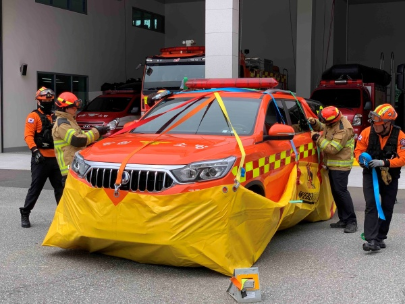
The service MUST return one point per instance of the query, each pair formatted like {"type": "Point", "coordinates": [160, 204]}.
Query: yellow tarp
{"type": "Point", "coordinates": [210, 228]}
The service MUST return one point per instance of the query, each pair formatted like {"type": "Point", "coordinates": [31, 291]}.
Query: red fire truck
{"type": "Point", "coordinates": [354, 89]}
{"type": "Point", "coordinates": [168, 69]}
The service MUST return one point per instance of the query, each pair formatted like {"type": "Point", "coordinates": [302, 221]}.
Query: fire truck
{"type": "Point", "coordinates": [174, 65]}
{"type": "Point", "coordinates": [355, 89]}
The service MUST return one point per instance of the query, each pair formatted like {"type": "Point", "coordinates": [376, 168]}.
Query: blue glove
{"type": "Point", "coordinates": [374, 163]}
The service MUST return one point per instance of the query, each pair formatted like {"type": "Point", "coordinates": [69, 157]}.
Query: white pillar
{"type": "Point", "coordinates": [221, 38]}
{"type": "Point", "coordinates": [304, 47]}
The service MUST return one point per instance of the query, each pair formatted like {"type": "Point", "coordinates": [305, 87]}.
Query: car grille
{"type": "Point", "coordinates": [140, 180]}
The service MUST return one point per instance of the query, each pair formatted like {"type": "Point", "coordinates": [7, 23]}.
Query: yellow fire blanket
{"type": "Point", "coordinates": [217, 229]}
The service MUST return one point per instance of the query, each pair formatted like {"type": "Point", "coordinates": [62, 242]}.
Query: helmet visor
{"type": "Point", "coordinates": [46, 94]}
{"type": "Point", "coordinates": [68, 104]}
{"type": "Point", "coordinates": [375, 118]}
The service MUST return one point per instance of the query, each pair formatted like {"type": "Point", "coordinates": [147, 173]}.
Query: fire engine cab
{"type": "Point", "coordinates": [174, 65]}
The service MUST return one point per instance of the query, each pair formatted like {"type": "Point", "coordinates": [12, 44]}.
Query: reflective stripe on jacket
{"type": "Point", "coordinates": [69, 138]}
{"type": "Point", "coordinates": [337, 144]}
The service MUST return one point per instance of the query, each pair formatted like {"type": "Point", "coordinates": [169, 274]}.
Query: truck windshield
{"type": "Point", "coordinates": [107, 104]}
{"type": "Point", "coordinates": [171, 76]}
{"type": "Point", "coordinates": [208, 121]}
{"type": "Point", "coordinates": [341, 98]}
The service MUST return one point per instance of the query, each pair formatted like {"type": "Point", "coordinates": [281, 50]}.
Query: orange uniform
{"type": "Point", "coordinates": [362, 143]}
{"type": "Point", "coordinates": [33, 125]}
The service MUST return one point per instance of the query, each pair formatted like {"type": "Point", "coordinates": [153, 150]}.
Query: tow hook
{"type": "Point", "coordinates": [116, 189]}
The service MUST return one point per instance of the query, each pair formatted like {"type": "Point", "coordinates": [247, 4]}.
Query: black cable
{"type": "Point", "coordinates": [125, 39]}
{"type": "Point", "coordinates": [292, 38]}
{"type": "Point", "coordinates": [332, 14]}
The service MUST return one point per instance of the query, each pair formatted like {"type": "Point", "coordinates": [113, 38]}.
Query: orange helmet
{"type": "Point", "coordinates": [329, 115]}
{"type": "Point", "coordinates": [68, 100]}
{"type": "Point", "coordinates": [45, 94]}
{"type": "Point", "coordinates": [382, 114]}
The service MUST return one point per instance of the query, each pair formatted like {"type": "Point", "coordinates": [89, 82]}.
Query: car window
{"type": "Point", "coordinates": [210, 120]}
{"type": "Point", "coordinates": [108, 104]}
{"type": "Point", "coordinates": [297, 117]}
{"type": "Point", "coordinates": [315, 105]}
{"type": "Point", "coordinates": [274, 115]}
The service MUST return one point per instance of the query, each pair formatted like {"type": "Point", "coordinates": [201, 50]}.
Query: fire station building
{"type": "Point", "coordinates": [78, 45]}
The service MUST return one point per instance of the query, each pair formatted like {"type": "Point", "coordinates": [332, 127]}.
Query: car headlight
{"type": "Point", "coordinates": [79, 165]}
{"type": "Point", "coordinates": [113, 124]}
{"type": "Point", "coordinates": [357, 120]}
{"type": "Point", "coordinates": [204, 171]}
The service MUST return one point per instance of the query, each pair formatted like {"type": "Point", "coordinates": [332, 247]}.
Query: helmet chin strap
{"type": "Point", "coordinates": [386, 129]}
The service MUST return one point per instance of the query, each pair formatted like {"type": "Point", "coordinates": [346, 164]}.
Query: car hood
{"type": "Point", "coordinates": [166, 150]}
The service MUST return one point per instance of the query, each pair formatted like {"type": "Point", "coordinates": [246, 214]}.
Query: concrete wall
{"type": "Point", "coordinates": [50, 39]}
{"type": "Point", "coordinates": [185, 19]}
{"type": "Point", "coordinates": [376, 28]}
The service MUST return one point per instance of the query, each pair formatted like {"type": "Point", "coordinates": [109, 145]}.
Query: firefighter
{"type": "Point", "coordinates": [67, 135]}
{"type": "Point", "coordinates": [38, 136]}
{"type": "Point", "coordinates": [337, 144]}
{"type": "Point", "coordinates": [385, 143]}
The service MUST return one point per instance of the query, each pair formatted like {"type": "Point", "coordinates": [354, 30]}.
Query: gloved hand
{"type": "Point", "coordinates": [38, 158]}
{"type": "Point", "coordinates": [363, 166]}
{"type": "Point", "coordinates": [312, 120]}
{"type": "Point", "coordinates": [315, 135]}
{"type": "Point", "coordinates": [102, 129]}
{"type": "Point", "coordinates": [374, 163]}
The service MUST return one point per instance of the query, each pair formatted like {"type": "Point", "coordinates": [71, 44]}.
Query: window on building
{"type": "Point", "coordinates": [148, 20]}
{"type": "Point", "coordinates": [76, 84]}
{"type": "Point", "coordinates": [79, 6]}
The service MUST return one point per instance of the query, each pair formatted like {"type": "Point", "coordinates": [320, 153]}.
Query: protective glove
{"type": "Point", "coordinates": [374, 163]}
{"type": "Point", "coordinates": [38, 158]}
{"type": "Point", "coordinates": [312, 120]}
{"type": "Point", "coordinates": [315, 135]}
{"type": "Point", "coordinates": [102, 129]}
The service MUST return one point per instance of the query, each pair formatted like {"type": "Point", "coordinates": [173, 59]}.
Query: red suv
{"type": "Point", "coordinates": [113, 108]}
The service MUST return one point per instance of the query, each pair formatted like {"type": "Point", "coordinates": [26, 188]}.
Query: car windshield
{"type": "Point", "coordinates": [171, 76]}
{"type": "Point", "coordinates": [108, 104]}
{"type": "Point", "coordinates": [210, 120]}
{"type": "Point", "coordinates": [341, 98]}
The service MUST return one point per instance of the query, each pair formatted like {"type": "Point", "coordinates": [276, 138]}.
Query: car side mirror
{"type": "Point", "coordinates": [280, 132]}
{"type": "Point", "coordinates": [367, 105]}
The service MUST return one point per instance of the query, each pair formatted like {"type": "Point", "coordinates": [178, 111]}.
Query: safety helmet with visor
{"type": "Point", "coordinates": [382, 114]}
{"type": "Point", "coordinates": [329, 115]}
{"type": "Point", "coordinates": [45, 94]}
{"type": "Point", "coordinates": [68, 100]}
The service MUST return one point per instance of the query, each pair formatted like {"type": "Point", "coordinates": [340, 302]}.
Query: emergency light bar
{"type": "Point", "coordinates": [252, 83]}
{"type": "Point", "coordinates": [183, 50]}
{"type": "Point", "coordinates": [341, 81]}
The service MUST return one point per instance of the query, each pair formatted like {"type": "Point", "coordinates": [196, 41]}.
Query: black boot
{"type": "Point", "coordinates": [373, 245]}
{"type": "Point", "coordinates": [25, 219]}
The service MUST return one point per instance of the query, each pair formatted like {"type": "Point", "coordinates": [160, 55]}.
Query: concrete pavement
{"type": "Point", "coordinates": [308, 263]}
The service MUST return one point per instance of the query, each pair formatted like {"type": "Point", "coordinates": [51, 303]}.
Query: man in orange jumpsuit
{"type": "Point", "coordinates": [385, 143]}
{"type": "Point", "coordinates": [38, 136]}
